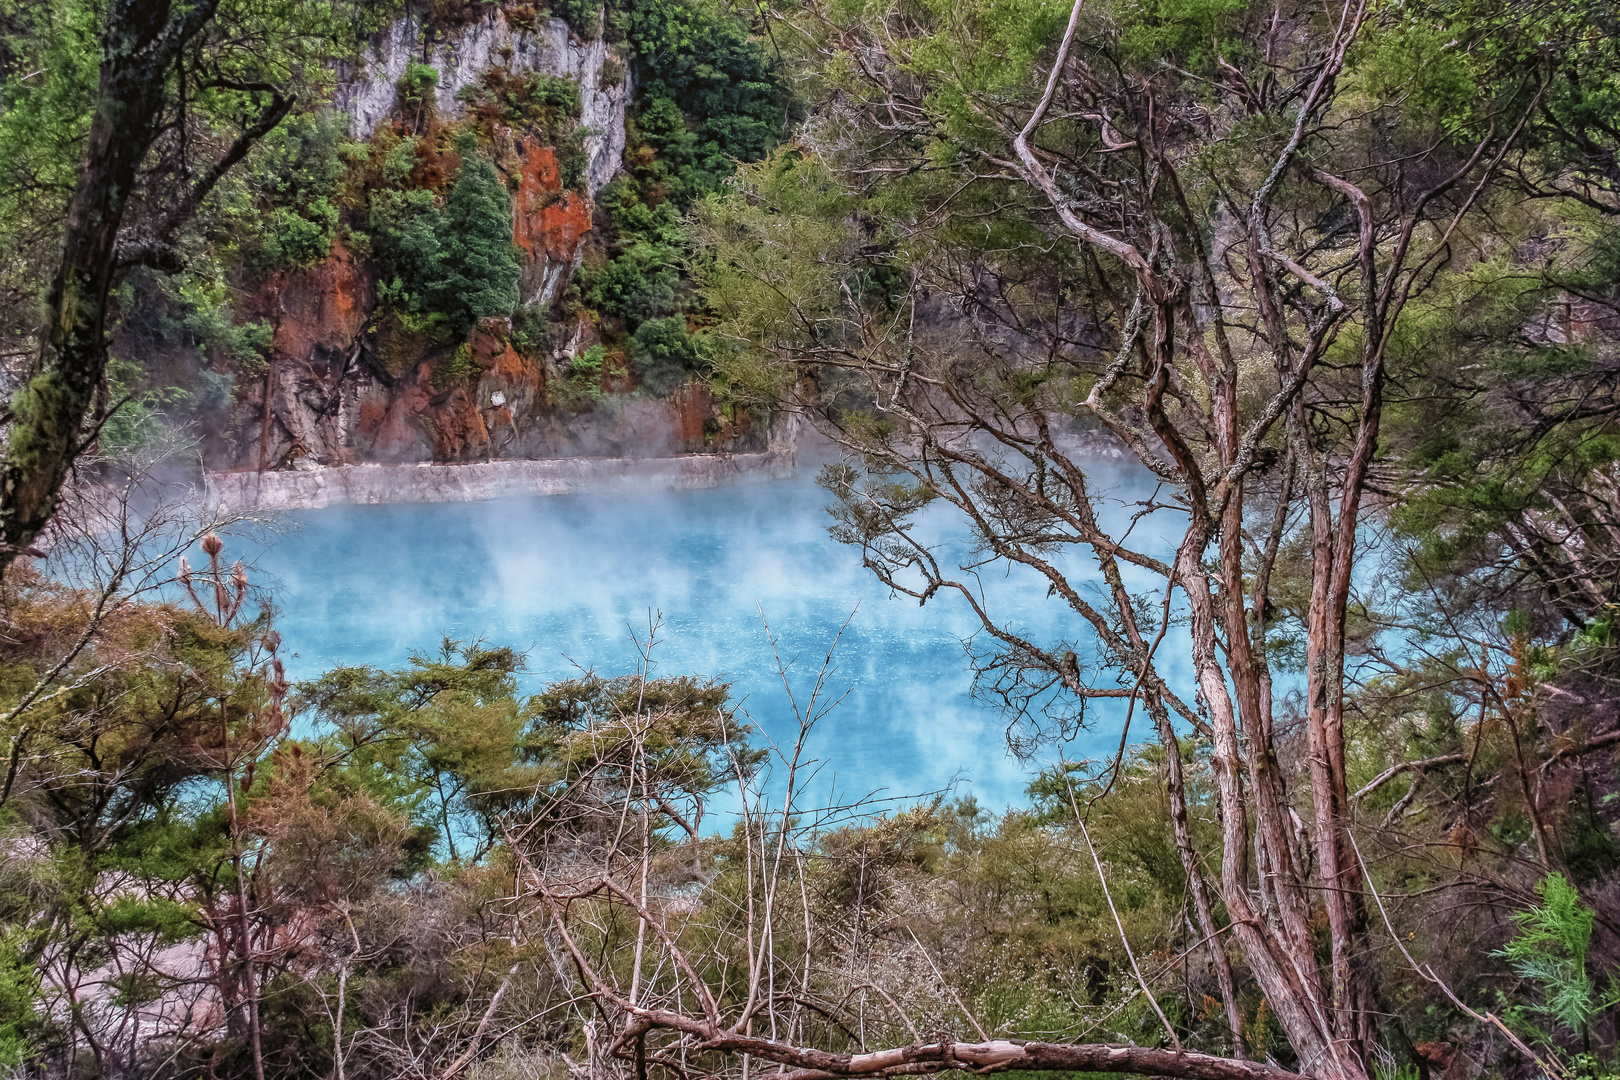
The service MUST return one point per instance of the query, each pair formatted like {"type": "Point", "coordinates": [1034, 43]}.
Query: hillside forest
{"type": "Point", "coordinates": [1340, 279]}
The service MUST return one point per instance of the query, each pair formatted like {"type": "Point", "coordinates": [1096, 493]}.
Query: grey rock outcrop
{"type": "Point", "coordinates": [461, 57]}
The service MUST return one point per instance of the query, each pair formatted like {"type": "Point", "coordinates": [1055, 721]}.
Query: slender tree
{"type": "Point", "coordinates": [1196, 242]}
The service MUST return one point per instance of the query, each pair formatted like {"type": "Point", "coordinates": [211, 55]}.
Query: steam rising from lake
{"type": "Point", "coordinates": [567, 578]}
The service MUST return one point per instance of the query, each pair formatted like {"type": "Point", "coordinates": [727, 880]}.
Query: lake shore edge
{"type": "Point", "coordinates": [476, 481]}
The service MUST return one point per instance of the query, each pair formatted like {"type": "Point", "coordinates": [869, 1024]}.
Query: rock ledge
{"type": "Point", "coordinates": [309, 489]}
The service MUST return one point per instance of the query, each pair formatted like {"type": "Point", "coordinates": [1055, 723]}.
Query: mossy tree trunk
{"type": "Point", "coordinates": [141, 40]}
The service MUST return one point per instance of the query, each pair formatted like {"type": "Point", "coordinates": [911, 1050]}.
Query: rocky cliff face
{"type": "Point", "coordinates": [350, 381]}
{"type": "Point", "coordinates": [462, 55]}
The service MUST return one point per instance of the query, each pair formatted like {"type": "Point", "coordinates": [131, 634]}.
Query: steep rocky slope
{"type": "Point", "coordinates": [353, 376]}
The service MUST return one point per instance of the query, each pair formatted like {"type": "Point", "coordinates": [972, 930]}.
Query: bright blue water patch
{"type": "Point", "coordinates": [569, 578]}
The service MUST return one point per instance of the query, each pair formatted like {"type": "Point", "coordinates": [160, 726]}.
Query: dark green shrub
{"type": "Point", "coordinates": [405, 228]}
{"type": "Point", "coordinates": [588, 364]}
{"type": "Point", "coordinates": [712, 96]}
{"type": "Point", "coordinates": [558, 92]}
{"type": "Point", "coordinates": [636, 221]}
{"type": "Point", "coordinates": [478, 261]}
{"type": "Point", "coordinates": [641, 281]}
{"type": "Point", "coordinates": [400, 162]}
{"type": "Point", "coordinates": [571, 158]}
{"type": "Point", "coordinates": [663, 355]}
{"type": "Point", "coordinates": [638, 284]}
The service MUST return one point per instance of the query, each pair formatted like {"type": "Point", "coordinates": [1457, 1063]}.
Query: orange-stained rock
{"type": "Point", "coordinates": [294, 411]}
{"type": "Point", "coordinates": [323, 307]}
{"type": "Point", "coordinates": [457, 426]}
{"type": "Point", "coordinates": [387, 428]}
{"type": "Point", "coordinates": [548, 223]}
{"type": "Point", "coordinates": [373, 412]}
{"type": "Point", "coordinates": [562, 225]}
{"type": "Point", "coordinates": [506, 372]}
{"type": "Point", "coordinates": [510, 365]}
{"type": "Point", "coordinates": [692, 405]}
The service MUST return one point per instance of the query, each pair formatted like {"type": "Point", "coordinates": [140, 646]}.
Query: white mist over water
{"type": "Point", "coordinates": [568, 578]}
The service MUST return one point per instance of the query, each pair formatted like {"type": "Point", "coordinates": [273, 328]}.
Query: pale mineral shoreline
{"type": "Point", "coordinates": [370, 484]}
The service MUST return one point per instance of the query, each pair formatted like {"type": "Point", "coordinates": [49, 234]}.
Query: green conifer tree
{"type": "Point", "coordinates": [477, 259]}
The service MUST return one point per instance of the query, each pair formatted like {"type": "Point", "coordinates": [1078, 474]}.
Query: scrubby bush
{"type": "Point", "coordinates": [588, 364]}
{"type": "Point", "coordinates": [19, 985]}
{"type": "Point", "coordinates": [529, 99]}
{"type": "Point", "coordinates": [417, 85]}
{"type": "Point", "coordinates": [294, 175]}
{"type": "Point", "coordinates": [582, 16]}
{"type": "Point", "coordinates": [300, 160]}
{"type": "Point", "coordinates": [459, 369]}
{"type": "Point", "coordinates": [572, 159]}
{"type": "Point", "coordinates": [293, 240]}
{"type": "Point", "coordinates": [582, 383]}
{"type": "Point", "coordinates": [400, 161]}
{"type": "Point", "coordinates": [529, 328]}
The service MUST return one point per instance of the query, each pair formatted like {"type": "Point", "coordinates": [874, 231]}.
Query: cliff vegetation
{"type": "Point", "coordinates": [418, 262]}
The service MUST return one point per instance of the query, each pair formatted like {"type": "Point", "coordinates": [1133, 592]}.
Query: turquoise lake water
{"type": "Point", "coordinates": [570, 578]}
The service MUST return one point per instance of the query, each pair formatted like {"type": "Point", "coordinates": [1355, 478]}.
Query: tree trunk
{"type": "Point", "coordinates": [139, 43]}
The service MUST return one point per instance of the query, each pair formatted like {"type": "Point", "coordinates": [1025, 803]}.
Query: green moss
{"type": "Point", "coordinates": [458, 370]}
{"type": "Point", "coordinates": [46, 412]}
{"type": "Point", "coordinates": [402, 338]}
